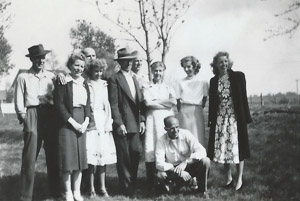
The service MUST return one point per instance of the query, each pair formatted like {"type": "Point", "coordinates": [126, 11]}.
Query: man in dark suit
{"type": "Point", "coordinates": [128, 121]}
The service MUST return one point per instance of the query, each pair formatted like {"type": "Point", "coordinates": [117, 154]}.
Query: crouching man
{"type": "Point", "coordinates": [180, 159]}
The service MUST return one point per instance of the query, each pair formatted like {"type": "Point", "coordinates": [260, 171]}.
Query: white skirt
{"type": "Point", "coordinates": [101, 148]}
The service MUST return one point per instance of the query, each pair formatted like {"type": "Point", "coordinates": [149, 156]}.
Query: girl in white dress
{"type": "Point", "coordinates": [100, 144]}
{"type": "Point", "coordinates": [159, 99]}
{"type": "Point", "coordinates": [191, 99]}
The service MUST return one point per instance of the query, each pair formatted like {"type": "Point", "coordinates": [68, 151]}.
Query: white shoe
{"type": "Point", "coordinates": [69, 196]}
{"type": "Point", "coordinates": [77, 196]}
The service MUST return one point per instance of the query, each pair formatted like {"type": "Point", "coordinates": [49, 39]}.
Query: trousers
{"type": "Point", "coordinates": [39, 127]}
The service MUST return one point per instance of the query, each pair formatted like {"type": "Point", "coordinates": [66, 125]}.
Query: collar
{"type": "Point", "coordinates": [126, 73]}
{"type": "Point", "coordinates": [78, 81]}
{"type": "Point", "coordinates": [40, 74]}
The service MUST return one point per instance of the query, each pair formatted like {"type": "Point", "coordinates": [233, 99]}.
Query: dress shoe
{"type": "Point", "coordinates": [240, 188]}
{"type": "Point", "coordinates": [230, 185]}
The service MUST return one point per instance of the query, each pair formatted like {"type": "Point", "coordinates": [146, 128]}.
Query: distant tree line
{"type": "Point", "coordinates": [289, 98]}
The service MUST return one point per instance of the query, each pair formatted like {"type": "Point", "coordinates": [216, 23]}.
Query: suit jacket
{"type": "Point", "coordinates": [125, 109]}
{"type": "Point", "coordinates": [63, 101]}
{"type": "Point", "coordinates": [241, 109]}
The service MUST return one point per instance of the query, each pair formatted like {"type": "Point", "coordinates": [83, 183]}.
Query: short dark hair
{"type": "Point", "coordinates": [166, 119]}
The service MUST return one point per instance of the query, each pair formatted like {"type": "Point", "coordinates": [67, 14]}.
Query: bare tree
{"type": "Point", "coordinates": [149, 23]}
{"type": "Point", "coordinates": [292, 21]}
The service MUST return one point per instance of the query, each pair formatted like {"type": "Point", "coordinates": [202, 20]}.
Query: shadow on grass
{"type": "Point", "coordinates": [10, 187]}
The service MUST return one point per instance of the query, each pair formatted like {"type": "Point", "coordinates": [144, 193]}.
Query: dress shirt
{"type": "Point", "coordinates": [171, 152]}
{"type": "Point", "coordinates": [33, 89]}
{"type": "Point", "coordinates": [130, 83]}
{"type": "Point", "coordinates": [79, 91]}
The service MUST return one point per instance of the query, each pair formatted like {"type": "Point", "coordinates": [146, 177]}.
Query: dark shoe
{"type": "Point", "coordinates": [230, 185]}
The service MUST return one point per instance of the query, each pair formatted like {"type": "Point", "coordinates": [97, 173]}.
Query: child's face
{"type": "Point", "coordinates": [96, 73]}
{"type": "Point", "coordinates": [188, 68]}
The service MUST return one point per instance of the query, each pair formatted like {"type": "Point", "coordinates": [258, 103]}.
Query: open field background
{"type": "Point", "coordinates": [272, 172]}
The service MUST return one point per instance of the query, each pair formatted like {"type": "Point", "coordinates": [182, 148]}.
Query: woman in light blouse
{"type": "Point", "coordinates": [191, 99]}
{"type": "Point", "coordinates": [73, 108]}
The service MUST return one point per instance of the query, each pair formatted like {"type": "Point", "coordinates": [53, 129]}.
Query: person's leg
{"type": "Point", "coordinates": [135, 149]}
{"type": "Point", "coordinates": [66, 181]}
{"type": "Point", "coordinates": [227, 169]}
{"type": "Point", "coordinates": [123, 163]}
{"type": "Point", "coordinates": [102, 171]}
{"type": "Point", "coordinates": [240, 169]}
{"type": "Point", "coordinates": [47, 126]}
{"type": "Point", "coordinates": [91, 171]}
{"type": "Point", "coordinates": [200, 170]}
{"type": "Point", "coordinates": [29, 154]}
{"type": "Point", "coordinates": [76, 180]}
{"type": "Point", "coordinates": [150, 173]}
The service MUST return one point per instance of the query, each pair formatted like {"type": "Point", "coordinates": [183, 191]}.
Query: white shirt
{"type": "Point", "coordinates": [33, 89]}
{"type": "Point", "coordinates": [192, 90]}
{"type": "Point", "coordinates": [130, 83]}
{"type": "Point", "coordinates": [79, 91]}
{"type": "Point", "coordinates": [171, 152]}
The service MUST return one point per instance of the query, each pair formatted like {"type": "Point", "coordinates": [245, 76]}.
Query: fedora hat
{"type": "Point", "coordinates": [37, 50]}
{"type": "Point", "coordinates": [124, 53]}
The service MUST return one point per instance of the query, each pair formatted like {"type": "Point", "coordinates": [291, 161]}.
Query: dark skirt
{"type": "Point", "coordinates": [72, 145]}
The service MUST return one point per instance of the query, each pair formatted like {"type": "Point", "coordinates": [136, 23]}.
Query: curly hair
{"type": "Point", "coordinates": [96, 63]}
{"type": "Point", "coordinates": [215, 61]}
{"type": "Point", "coordinates": [73, 57]}
{"type": "Point", "coordinates": [195, 63]}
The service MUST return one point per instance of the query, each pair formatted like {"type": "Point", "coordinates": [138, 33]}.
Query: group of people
{"type": "Point", "coordinates": [86, 122]}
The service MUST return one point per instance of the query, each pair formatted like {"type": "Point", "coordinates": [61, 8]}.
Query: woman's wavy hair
{"type": "Point", "coordinates": [215, 61]}
{"type": "Point", "coordinates": [73, 57]}
{"type": "Point", "coordinates": [195, 62]}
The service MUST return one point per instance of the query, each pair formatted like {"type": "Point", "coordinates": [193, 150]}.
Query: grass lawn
{"type": "Point", "coordinates": [272, 172]}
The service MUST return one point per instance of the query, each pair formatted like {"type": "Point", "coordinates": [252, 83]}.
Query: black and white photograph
{"type": "Point", "coordinates": [149, 100]}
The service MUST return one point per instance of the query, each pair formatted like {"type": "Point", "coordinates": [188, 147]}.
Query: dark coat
{"type": "Point", "coordinates": [241, 109]}
{"type": "Point", "coordinates": [72, 145]}
{"type": "Point", "coordinates": [125, 110]}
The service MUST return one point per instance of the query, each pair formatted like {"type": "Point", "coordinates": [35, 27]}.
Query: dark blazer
{"type": "Point", "coordinates": [241, 109]}
{"type": "Point", "coordinates": [125, 110]}
{"type": "Point", "coordinates": [63, 101]}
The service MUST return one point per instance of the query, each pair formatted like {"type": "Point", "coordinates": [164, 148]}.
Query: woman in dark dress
{"type": "Point", "coordinates": [73, 107]}
{"type": "Point", "coordinates": [228, 118]}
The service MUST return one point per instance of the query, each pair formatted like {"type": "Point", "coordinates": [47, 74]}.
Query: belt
{"type": "Point", "coordinates": [42, 106]}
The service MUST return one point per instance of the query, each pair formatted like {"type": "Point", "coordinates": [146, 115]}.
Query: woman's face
{"type": "Point", "coordinates": [77, 68]}
{"type": "Point", "coordinates": [222, 64]}
{"type": "Point", "coordinates": [96, 73]}
{"type": "Point", "coordinates": [188, 68]}
{"type": "Point", "coordinates": [158, 73]}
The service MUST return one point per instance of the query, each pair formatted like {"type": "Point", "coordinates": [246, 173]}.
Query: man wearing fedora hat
{"type": "Point", "coordinates": [34, 108]}
{"type": "Point", "coordinates": [128, 120]}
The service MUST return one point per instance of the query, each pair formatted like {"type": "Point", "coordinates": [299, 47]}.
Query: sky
{"type": "Point", "coordinates": [235, 26]}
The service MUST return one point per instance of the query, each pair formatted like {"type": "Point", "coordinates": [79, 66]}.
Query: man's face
{"type": "Point", "coordinates": [136, 66]}
{"type": "Point", "coordinates": [90, 54]}
{"type": "Point", "coordinates": [172, 128]}
{"type": "Point", "coordinates": [126, 64]}
{"type": "Point", "coordinates": [38, 62]}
